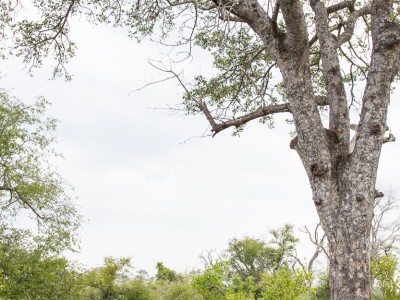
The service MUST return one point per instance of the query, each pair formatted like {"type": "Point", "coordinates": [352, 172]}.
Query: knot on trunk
{"type": "Point", "coordinates": [319, 169]}
{"type": "Point", "coordinates": [332, 138]}
{"type": "Point", "coordinates": [378, 194]}
{"type": "Point", "coordinates": [293, 143]}
{"type": "Point", "coordinates": [318, 201]}
{"type": "Point", "coordinates": [360, 198]}
{"type": "Point", "coordinates": [376, 129]}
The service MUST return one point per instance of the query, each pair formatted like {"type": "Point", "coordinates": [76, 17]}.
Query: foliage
{"type": "Point", "coordinates": [182, 290]}
{"type": "Point", "coordinates": [250, 258]}
{"type": "Point", "coordinates": [286, 284]}
{"type": "Point", "coordinates": [384, 271]}
{"type": "Point", "coordinates": [322, 287]}
{"type": "Point", "coordinates": [135, 289]}
{"type": "Point", "coordinates": [103, 281]}
{"type": "Point", "coordinates": [28, 274]}
{"type": "Point", "coordinates": [211, 284]}
{"type": "Point", "coordinates": [29, 186]}
{"type": "Point", "coordinates": [163, 273]}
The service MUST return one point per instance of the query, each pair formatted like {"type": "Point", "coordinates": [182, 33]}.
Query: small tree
{"type": "Point", "coordinates": [211, 284]}
{"type": "Point", "coordinates": [166, 274]}
{"type": "Point", "coordinates": [384, 271]}
{"type": "Point", "coordinates": [251, 258]}
{"type": "Point", "coordinates": [104, 281]}
{"type": "Point", "coordinates": [287, 284]}
{"type": "Point", "coordinates": [28, 183]}
{"type": "Point", "coordinates": [28, 274]}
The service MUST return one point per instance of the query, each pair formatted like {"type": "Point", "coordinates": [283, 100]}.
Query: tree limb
{"type": "Point", "coordinates": [23, 200]}
{"type": "Point", "coordinates": [339, 119]}
{"type": "Point", "coordinates": [256, 17]}
{"type": "Point", "coordinates": [296, 27]}
{"type": "Point", "coordinates": [318, 242]}
{"type": "Point", "coordinates": [350, 24]}
{"type": "Point", "coordinates": [341, 5]}
{"type": "Point", "coordinates": [260, 112]}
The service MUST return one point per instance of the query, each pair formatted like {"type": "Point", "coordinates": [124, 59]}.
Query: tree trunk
{"type": "Point", "coordinates": [346, 219]}
{"type": "Point", "coordinates": [349, 246]}
{"type": "Point", "coordinates": [349, 266]}
{"type": "Point", "coordinates": [344, 201]}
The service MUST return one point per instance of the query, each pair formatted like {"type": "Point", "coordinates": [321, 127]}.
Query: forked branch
{"type": "Point", "coordinates": [319, 243]}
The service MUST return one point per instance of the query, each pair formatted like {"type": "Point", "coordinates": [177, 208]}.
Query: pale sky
{"type": "Point", "coordinates": [147, 193]}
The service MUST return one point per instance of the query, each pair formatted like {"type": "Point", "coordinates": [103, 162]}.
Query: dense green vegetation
{"type": "Point", "coordinates": [249, 269]}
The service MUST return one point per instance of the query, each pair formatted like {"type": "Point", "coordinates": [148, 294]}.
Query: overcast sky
{"type": "Point", "coordinates": [145, 192]}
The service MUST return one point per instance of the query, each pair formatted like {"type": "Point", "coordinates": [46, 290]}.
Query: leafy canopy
{"type": "Point", "coordinates": [31, 191]}
{"type": "Point", "coordinates": [246, 77]}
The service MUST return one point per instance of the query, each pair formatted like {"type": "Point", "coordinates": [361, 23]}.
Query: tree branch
{"type": "Point", "coordinates": [252, 13]}
{"type": "Point", "coordinates": [59, 27]}
{"type": "Point", "coordinates": [260, 112]}
{"type": "Point", "coordinates": [318, 242]}
{"type": "Point", "coordinates": [350, 24]}
{"type": "Point", "coordinates": [275, 12]}
{"type": "Point", "coordinates": [390, 138]}
{"type": "Point", "coordinates": [339, 120]}
{"type": "Point", "coordinates": [341, 5]}
{"type": "Point", "coordinates": [296, 27]}
{"type": "Point", "coordinates": [22, 199]}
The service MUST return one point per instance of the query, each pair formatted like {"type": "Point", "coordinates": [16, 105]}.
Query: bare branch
{"type": "Point", "coordinates": [203, 107]}
{"type": "Point", "coordinates": [318, 242]}
{"type": "Point", "coordinates": [225, 16]}
{"type": "Point", "coordinates": [385, 231]}
{"type": "Point", "coordinates": [257, 18]}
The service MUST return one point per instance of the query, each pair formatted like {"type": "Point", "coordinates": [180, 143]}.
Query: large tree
{"type": "Point", "coordinates": [322, 50]}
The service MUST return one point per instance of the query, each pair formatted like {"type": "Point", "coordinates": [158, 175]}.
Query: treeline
{"type": "Point", "coordinates": [249, 269]}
